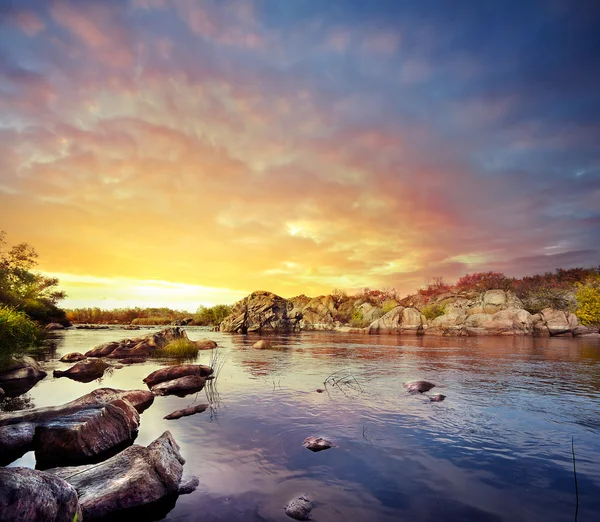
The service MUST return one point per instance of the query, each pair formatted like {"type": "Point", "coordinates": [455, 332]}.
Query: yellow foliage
{"type": "Point", "coordinates": [588, 302]}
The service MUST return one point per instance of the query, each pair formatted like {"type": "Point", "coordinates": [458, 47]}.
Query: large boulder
{"type": "Point", "coordinates": [388, 323]}
{"type": "Point", "coordinates": [555, 322]}
{"type": "Point", "coordinates": [15, 441]}
{"type": "Point", "coordinates": [259, 312]}
{"type": "Point", "coordinates": [511, 321]}
{"type": "Point", "coordinates": [27, 494]}
{"type": "Point", "coordinates": [20, 375]}
{"type": "Point", "coordinates": [84, 371]}
{"type": "Point", "coordinates": [175, 372]}
{"type": "Point", "coordinates": [136, 477]}
{"type": "Point", "coordinates": [412, 320]}
{"type": "Point", "coordinates": [86, 435]}
{"type": "Point", "coordinates": [139, 347]}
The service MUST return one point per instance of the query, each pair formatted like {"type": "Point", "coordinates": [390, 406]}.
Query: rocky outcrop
{"type": "Point", "coordinates": [136, 477]}
{"type": "Point", "coordinates": [175, 372]}
{"type": "Point", "coordinates": [27, 494]}
{"type": "Point", "coordinates": [20, 375]}
{"type": "Point", "coordinates": [260, 312]}
{"type": "Point", "coordinates": [84, 371]}
{"type": "Point", "coordinates": [138, 347]}
{"type": "Point", "coordinates": [18, 429]}
{"type": "Point", "coordinates": [86, 435]}
{"type": "Point", "coordinates": [555, 322]}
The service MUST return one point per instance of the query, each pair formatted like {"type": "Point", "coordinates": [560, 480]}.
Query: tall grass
{"type": "Point", "coordinates": [17, 333]}
{"type": "Point", "coordinates": [179, 349]}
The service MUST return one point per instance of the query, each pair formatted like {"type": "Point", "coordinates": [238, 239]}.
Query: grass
{"type": "Point", "coordinates": [17, 333]}
{"type": "Point", "coordinates": [179, 349]}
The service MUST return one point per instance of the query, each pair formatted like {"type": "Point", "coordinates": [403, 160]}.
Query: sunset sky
{"type": "Point", "coordinates": [179, 152]}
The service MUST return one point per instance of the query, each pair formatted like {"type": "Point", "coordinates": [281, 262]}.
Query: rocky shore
{"type": "Point", "coordinates": [494, 312]}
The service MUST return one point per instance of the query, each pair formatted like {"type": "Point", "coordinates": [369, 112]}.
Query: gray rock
{"type": "Point", "coordinates": [27, 494]}
{"type": "Point", "coordinates": [136, 477]}
{"type": "Point", "coordinates": [188, 484]}
{"type": "Point", "coordinates": [299, 508]}
{"type": "Point", "coordinates": [180, 387]}
{"type": "Point", "coordinates": [419, 386]}
{"type": "Point", "coordinates": [317, 443]}
{"type": "Point", "coordinates": [87, 434]}
{"type": "Point", "coordinates": [175, 372]}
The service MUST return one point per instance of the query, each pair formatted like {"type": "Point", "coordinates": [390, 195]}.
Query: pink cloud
{"type": "Point", "coordinates": [30, 23]}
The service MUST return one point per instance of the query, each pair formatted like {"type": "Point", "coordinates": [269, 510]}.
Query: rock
{"type": "Point", "coordinates": [259, 312]}
{"type": "Point", "coordinates": [451, 322]}
{"type": "Point", "coordinates": [1, 394]}
{"type": "Point", "coordinates": [72, 357]}
{"type": "Point", "coordinates": [136, 477]}
{"type": "Point", "coordinates": [86, 435]}
{"type": "Point", "coordinates": [54, 326]}
{"type": "Point", "coordinates": [262, 344]}
{"type": "Point", "coordinates": [437, 398]}
{"type": "Point", "coordinates": [15, 441]}
{"type": "Point", "coordinates": [299, 508]}
{"type": "Point", "coordinates": [388, 323]}
{"type": "Point", "coordinates": [85, 371]}
{"type": "Point", "coordinates": [140, 347]}
{"type": "Point", "coordinates": [206, 344]}
{"type": "Point", "coordinates": [27, 494]}
{"type": "Point", "coordinates": [320, 390]}
{"type": "Point", "coordinates": [185, 412]}
{"type": "Point", "coordinates": [174, 372]}
{"type": "Point", "coordinates": [188, 484]}
{"type": "Point", "coordinates": [180, 387]}
{"type": "Point", "coordinates": [317, 443]}
{"type": "Point", "coordinates": [494, 301]}
{"type": "Point", "coordinates": [557, 322]}
{"type": "Point", "coordinates": [412, 320]}
{"type": "Point", "coordinates": [419, 386]}
{"type": "Point", "coordinates": [140, 400]}
{"type": "Point", "coordinates": [20, 375]}
{"type": "Point", "coordinates": [510, 321]}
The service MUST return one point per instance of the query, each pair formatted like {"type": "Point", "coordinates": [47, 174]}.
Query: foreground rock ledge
{"type": "Point", "coordinates": [27, 494]}
{"type": "Point", "coordinates": [136, 477]}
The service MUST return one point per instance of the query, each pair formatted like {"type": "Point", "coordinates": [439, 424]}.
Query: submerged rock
{"type": "Point", "coordinates": [20, 375]}
{"type": "Point", "coordinates": [27, 494]}
{"type": "Point", "coordinates": [180, 387]}
{"type": "Point", "coordinates": [185, 412]}
{"type": "Point", "coordinates": [299, 508]}
{"type": "Point", "coordinates": [85, 371]}
{"type": "Point", "coordinates": [136, 477]}
{"type": "Point", "coordinates": [419, 386]}
{"type": "Point", "coordinates": [317, 443]}
{"type": "Point", "coordinates": [174, 372]}
{"type": "Point", "coordinates": [437, 398]}
{"type": "Point", "coordinates": [188, 484]}
{"type": "Point", "coordinates": [72, 357]}
{"type": "Point", "coordinates": [86, 434]}
{"type": "Point", "coordinates": [262, 344]}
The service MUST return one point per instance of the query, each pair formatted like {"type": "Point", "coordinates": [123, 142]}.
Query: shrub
{"type": "Point", "coordinates": [17, 333]}
{"type": "Point", "coordinates": [434, 288]}
{"type": "Point", "coordinates": [483, 281]}
{"type": "Point", "coordinates": [149, 321]}
{"type": "Point", "coordinates": [179, 349]}
{"type": "Point", "coordinates": [588, 302]}
{"type": "Point", "coordinates": [388, 305]}
{"type": "Point", "coordinates": [431, 311]}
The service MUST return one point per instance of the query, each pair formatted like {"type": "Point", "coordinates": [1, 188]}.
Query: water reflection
{"type": "Point", "coordinates": [498, 448]}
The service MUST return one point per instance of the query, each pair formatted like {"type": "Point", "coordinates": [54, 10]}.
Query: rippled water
{"type": "Point", "coordinates": [498, 448]}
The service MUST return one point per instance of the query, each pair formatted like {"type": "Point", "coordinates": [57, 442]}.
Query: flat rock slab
{"type": "Point", "coordinates": [186, 412]}
{"type": "Point", "coordinates": [27, 494]}
{"type": "Point", "coordinates": [180, 387]}
{"type": "Point", "coordinates": [317, 443]}
{"type": "Point", "coordinates": [299, 508]}
{"type": "Point", "coordinates": [136, 477]}
{"type": "Point", "coordinates": [175, 372]}
{"type": "Point", "coordinates": [72, 357]}
{"type": "Point", "coordinates": [84, 371]}
{"type": "Point", "coordinates": [419, 386]}
{"type": "Point", "coordinates": [86, 435]}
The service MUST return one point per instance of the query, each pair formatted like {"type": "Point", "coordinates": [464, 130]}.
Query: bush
{"type": "Point", "coordinates": [432, 311]}
{"type": "Point", "coordinates": [211, 316]}
{"type": "Point", "coordinates": [434, 288]}
{"type": "Point", "coordinates": [179, 349]}
{"type": "Point", "coordinates": [588, 302]}
{"type": "Point", "coordinates": [357, 320]}
{"type": "Point", "coordinates": [17, 333]}
{"type": "Point", "coordinates": [150, 321]}
{"type": "Point", "coordinates": [484, 281]}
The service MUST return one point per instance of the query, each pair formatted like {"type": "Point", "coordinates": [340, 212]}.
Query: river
{"type": "Point", "coordinates": [498, 448]}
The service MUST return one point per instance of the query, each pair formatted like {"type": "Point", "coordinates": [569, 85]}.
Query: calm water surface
{"type": "Point", "coordinates": [498, 448]}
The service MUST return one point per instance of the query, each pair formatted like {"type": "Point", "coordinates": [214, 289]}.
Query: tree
{"type": "Point", "coordinates": [24, 289]}
{"type": "Point", "coordinates": [588, 301]}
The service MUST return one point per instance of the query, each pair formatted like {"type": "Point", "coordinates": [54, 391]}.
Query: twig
{"type": "Point", "coordinates": [575, 475]}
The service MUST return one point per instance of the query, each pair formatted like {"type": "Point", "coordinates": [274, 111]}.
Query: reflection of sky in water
{"type": "Point", "coordinates": [498, 448]}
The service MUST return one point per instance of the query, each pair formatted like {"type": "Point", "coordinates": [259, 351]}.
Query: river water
{"type": "Point", "coordinates": [498, 448]}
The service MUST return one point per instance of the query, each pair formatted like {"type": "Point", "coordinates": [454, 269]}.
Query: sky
{"type": "Point", "coordinates": [179, 152]}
